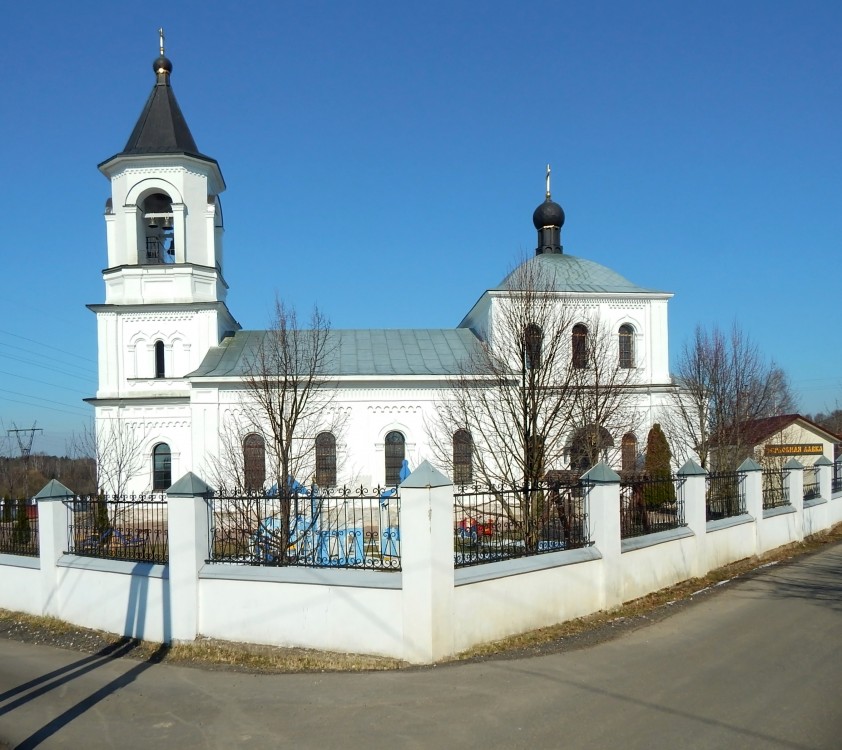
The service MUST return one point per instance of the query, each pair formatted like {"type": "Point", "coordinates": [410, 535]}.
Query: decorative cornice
{"type": "Point", "coordinates": [158, 316]}
{"type": "Point", "coordinates": [395, 409]}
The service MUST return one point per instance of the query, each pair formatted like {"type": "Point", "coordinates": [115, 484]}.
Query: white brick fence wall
{"type": "Point", "coordinates": [426, 611]}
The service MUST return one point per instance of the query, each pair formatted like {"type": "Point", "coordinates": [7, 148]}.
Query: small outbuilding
{"type": "Point", "coordinates": [789, 436]}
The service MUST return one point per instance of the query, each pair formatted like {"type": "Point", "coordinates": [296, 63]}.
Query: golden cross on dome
{"type": "Point", "coordinates": [161, 38]}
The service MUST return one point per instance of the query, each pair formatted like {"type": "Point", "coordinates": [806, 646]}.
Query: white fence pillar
{"type": "Point", "coordinates": [834, 510]}
{"type": "Point", "coordinates": [824, 467]}
{"type": "Point", "coordinates": [53, 521]}
{"type": "Point", "coordinates": [427, 565]}
{"type": "Point", "coordinates": [188, 529]}
{"type": "Point", "coordinates": [604, 513]}
{"type": "Point", "coordinates": [751, 485]}
{"type": "Point", "coordinates": [794, 482]}
{"type": "Point", "coordinates": [692, 489]}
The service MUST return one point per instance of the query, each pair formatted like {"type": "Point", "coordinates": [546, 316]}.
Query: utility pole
{"type": "Point", "coordinates": [25, 445]}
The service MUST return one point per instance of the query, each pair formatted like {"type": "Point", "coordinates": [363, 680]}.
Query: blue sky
{"type": "Point", "coordinates": [383, 160]}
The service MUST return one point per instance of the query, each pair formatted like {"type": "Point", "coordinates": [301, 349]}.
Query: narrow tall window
{"type": "Point", "coordinates": [325, 459]}
{"type": "Point", "coordinates": [161, 467]}
{"type": "Point", "coordinates": [254, 462]}
{"type": "Point", "coordinates": [532, 339]}
{"type": "Point", "coordinates": [463, 446]}
{"type": "Point", "coordinates": [629, 452]}
{"type": "Point", "coordinates": [395, 454]}
{"type": "Point", "coordinates": [159, 359]}
{"type": "Point", "coordinates": [626, 345]}
{"type": "Point", "coordinates": [580, 346]}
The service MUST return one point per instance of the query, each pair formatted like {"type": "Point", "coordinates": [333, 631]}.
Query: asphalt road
{"type": "Point", "coordinates": [757, 665]}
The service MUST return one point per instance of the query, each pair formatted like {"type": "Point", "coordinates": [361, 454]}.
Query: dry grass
{"type": "Point", "coordinates": [270, 659]}
{"type": "Point", "coordinates": [213, 654]}
{"type": "Point", "coordinates": [205, 652]}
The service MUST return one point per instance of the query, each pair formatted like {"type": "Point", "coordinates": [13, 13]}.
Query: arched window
{"type": "Point", "coordinates": [626, 345]}
{"type": "Point", "coordinates": [159, 359]}
{"type": "Point", "coordinates": [532, 339]}
{"type": "Point", "coordinates": [463, 448]}
{"type": "Point", "coordinates": [254, 462]}
{"type": "Point", "coordinates": [158, 218]}
{"type": "Point", "coordinates": [325, 459]}
{"type": "Point", "coordinates": [590, 444]}
{"type": "Point", "coordinates": [629, 452]}
{"type": "Point", "coordinates": [161, 467]}
{"type": "Point", "coordinates": [580, 346]}
{"type": "Point", "coordinates": [395, 454]}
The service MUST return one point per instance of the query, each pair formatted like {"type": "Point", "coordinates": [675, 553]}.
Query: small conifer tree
{"type": "Point", "coordinates": [23, 530]}
{"type": "Point", "coordinates": [102, 523]}
{"type": "Point", "coordinates": [658, 465]}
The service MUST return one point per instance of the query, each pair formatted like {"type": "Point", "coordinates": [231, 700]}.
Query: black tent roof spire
{"type": "Point", "coordinates": [161, 127]}
{"type": "Point", "coordinates": [548, 220]}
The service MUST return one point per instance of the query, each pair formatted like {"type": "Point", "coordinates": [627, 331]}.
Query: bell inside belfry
{"type": "Point", "coordinates": [160, 239]}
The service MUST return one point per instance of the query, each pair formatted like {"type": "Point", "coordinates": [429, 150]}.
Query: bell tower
{"type": "Point", "coordinates": [164, 285]}
{"type": "Point", "coordinates": [163, 219]}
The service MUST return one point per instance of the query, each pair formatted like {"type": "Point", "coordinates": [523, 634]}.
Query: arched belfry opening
{"type": "Point", "coordinates": [158, 229]}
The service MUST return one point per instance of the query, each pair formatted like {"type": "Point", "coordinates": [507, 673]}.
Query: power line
{"type": "Point", "coordinates": [39, 399]}
{"type": "Point", "coordinates": [42, 406]}
{"type": "Point", "coordinates": [53, 368]}
{"type": "Point", "coordinates": [42, 343]}
{"type": "Point", "coordinates": [43, 382]}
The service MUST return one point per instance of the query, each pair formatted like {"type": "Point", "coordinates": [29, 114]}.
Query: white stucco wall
{"type": "Point", "coordinates": [816, 517]}
{"type": "Point", "coordinates": [731, 540]}
{"type": "Point", "coordinates": [657, 566]}
{"type": "Point", "coordinates": [20, 584]}
{"type": "Point", "coordinates": [309, 615]}
{"type": "Point", "coordinates": [504, 603]}
{"type": "Point", "coordinates": [131, 599]}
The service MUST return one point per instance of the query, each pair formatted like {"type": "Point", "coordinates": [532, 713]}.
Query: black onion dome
{"type": "Point", "coordinates": [548, 214]}
{"type": "Point", "coordinates": [162, 64]}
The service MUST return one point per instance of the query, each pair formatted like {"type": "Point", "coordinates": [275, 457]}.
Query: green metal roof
{"type": "Point", "coordinates": [382, 351]}
{"type": "Point", "coordinates": [567, 273]}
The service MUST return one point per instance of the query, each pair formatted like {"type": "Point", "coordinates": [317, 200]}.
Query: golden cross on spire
{"type": "Point", "coordinates": [548, 180]}
{"type": "Point", "coordinates": [161, 38]}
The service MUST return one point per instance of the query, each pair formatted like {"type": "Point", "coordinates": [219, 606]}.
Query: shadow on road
{"type": "Point", "coordinates": [819, 583]}
{"type": "Point", "coordinates": [45, 683]}
{"type": "Point", "coordinates": [659, 708]}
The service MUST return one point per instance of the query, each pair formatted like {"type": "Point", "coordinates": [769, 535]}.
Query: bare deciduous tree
{"type": "Point", "coordinates": [524, 392]}
{"type": "Point", "coordinates": [513, 393]}
{"type": "Point", "coordinates": [226, 469]}
{"type": "Point", "coordinates": [288, 399]}
{"type": "Point", "coordinates": [724, 382]}
{"type": "Point", "coordinates": [604, 404]}
{"type": "Point", "coordinates": [116, 447]}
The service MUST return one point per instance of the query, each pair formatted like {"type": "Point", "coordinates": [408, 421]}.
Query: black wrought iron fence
{"type": "Point", "coordinates": [492, 524]}
{"type": "Point", "coordinates": [775, 489]}
{"type": "Point", "coordinates": [18, 528]}
{"type": "Point", "coordinates": [811, 483]}
{"type": "Point", "coordinates": [836, 480]}
{"type": "Point", "coordinates": [346, 528]}
{"type": "Point", "coordinates": [649, 505]}
{"type": "Point", "coordinates": [725, 495]}
{"type": "Point", "coordinates": [132, 528]}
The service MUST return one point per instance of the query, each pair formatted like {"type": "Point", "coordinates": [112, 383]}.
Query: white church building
{"type": "Point", "coordinates": [172, 358]}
